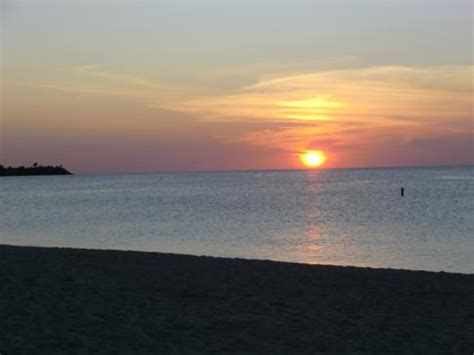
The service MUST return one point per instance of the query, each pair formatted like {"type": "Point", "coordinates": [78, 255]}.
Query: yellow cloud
{"type": "Point", "coordinates": [295, 109]}
{"type": "Point", "coordinates": [352, 94]}
{"type": "Point", "coordinates": [338, 110]}
{"type": "Point", "coordinates": [352, 106]}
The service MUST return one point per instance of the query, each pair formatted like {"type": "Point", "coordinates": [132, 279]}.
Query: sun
{"type": "Point", "coordinates": [313, 158]}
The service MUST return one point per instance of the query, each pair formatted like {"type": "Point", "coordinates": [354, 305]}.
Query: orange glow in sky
{"type": "Point", "coordinates": [109, 102]}
{"type": "Point", "coordinates": [313, 158]}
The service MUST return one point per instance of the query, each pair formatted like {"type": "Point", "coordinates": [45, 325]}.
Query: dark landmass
{"type": "Point", "coordinates": [33, 170]}
{"type": "Point", "coordinates": [81, 301]}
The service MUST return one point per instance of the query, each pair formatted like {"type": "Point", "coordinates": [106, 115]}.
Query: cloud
{"type": "Point", "coordinates": [345, 109]}
{"type": "Point", "coordinates": [96, 72]}
{"type": "Point", "coordinates": [347, 112]}
{"type": "Point", "coordinates": [346, 94]}
{"type": "Point", "coordinates": [94, 80]}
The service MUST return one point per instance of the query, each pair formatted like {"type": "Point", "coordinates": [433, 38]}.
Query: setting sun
{"type": "Point", "coordinates": [313, 158]}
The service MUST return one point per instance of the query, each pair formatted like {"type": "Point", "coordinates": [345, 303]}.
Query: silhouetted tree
{"type": "Point", "coordinates": [36, 169]}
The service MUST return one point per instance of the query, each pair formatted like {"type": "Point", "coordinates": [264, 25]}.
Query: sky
{"type": "Point", "coordinates": [146, 86]}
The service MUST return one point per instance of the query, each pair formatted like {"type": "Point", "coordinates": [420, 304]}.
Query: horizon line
{"type": "Point", "coordinates": [273, 170]}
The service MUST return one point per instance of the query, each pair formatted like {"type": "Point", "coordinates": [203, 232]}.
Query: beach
{"type": "Point", "coordinates": [77, 300]}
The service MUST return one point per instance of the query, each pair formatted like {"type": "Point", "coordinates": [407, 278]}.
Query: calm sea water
{"type": "Point", "coordinates": [343, 217]}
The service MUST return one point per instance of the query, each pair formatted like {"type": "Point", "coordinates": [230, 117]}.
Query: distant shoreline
{"type": "Point", "coordinates": [33, 170]}
{"type": "Point", "coordinates": [77, 300]}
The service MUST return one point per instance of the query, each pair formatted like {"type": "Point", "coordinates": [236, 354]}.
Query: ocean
{"type": "Point", "coordinates": [343, 217]}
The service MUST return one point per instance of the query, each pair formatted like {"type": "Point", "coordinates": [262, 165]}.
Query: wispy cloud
{"type": "Point", "coordinates": [95, 80]}
{"type": "Point", "coordinates": [95, 71]}
{"type": "Point", "coordinates": [346, 107]}
{"type": "Point", "coordinates": [338, 110]}
{"type": "Point", "coordinates": [346, 94]}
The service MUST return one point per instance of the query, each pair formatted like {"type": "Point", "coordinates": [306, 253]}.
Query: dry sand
{"type": "Point", "coordinates": [76, 301]}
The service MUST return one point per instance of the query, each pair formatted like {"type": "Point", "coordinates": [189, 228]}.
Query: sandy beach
{"type": "Point", "coordinates": [68, 300]}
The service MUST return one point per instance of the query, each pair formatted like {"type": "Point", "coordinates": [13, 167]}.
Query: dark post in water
{"type": "Point", "coordinates": [402, 191]}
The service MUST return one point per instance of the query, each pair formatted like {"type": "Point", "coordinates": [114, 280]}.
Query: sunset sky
{"type": "Point", "coordinates": [143, 86]}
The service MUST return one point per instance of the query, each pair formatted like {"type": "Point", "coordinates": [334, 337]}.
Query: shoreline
{"type": "Point", "coordinates": [236, 258]}
{"type": "Point", "coordinates": [84, 300]}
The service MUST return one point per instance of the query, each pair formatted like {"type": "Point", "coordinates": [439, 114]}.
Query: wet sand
{"type": "Point", "coordinates": [69, 300]}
